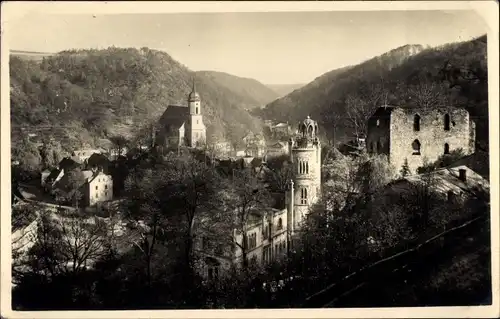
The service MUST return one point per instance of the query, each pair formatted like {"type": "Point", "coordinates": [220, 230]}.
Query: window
{"type": "Point", "coordinates": [197, 122]}
{"type": "Point", "coordinates": [378, 123]}
{"type": "Point", "coordinates": [196, 110]}
{"type": "Point", "coordinates": [379, 147]}
{"type": "Point", "coordinates": [303, 196]}
{"type": "Point", "coordinates": [447, 148]}
{"type": "Point", "coordinates": [96, 187]}
{"type": "Point", "coordinates": [416, 123]}
{"type": "Point", "coordinates": [416, 147]}
{"type": "Point", "coordinates": [280, 223]}
{"type": "Point", "coordinates": [106, 193]}
{"type": "Point", "coordinates": [96, 195]}
{"type": "Point", "coordinates": [105, 186]}
{"type": "Point", "coordinates": [446, 122]}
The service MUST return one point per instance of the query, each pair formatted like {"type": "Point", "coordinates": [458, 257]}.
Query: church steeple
{"type": "Point", "coordinates": [193, 96]}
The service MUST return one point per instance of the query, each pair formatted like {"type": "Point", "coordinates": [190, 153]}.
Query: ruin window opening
{"type": "Point", "coordinates": [447, 148]}
{"type": "Point", "coordinates": [447, 122]}
{"type": "Point", "coordinates": [416, 123]}
{"type": "Point", "coordinates": [416, 147]}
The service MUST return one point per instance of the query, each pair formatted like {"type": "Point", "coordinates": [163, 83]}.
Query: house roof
{"type": "Point", "coordinates": [87, 174]}
{"type": "Point", "coordinates": [174, 116]}
{"type": "Point", "coordinates": [85, 152]}
{"type": "Point", "coordinates": [69, 163]}
{"type": "Point", "coordinates": [53, 174]}
{"type": "Point", "coordinates": [278, 145]}
{"type": "Point", "coordinates": [281, 125]}
{"type": "Point", "coordinates": [447, 179]}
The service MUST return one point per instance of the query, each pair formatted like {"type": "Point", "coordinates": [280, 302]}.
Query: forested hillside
{"type": "Point", "coordinates": [284, 89]}
{"type": "Point", "coordinates": [86, 95]}
{"type": "Point", "coordinates": [453, 74]}
{"type": "Point", "coordinates": [251, 92]}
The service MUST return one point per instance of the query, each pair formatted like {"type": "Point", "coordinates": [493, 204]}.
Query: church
{"type": "Point", "coordinates": [182, 125]}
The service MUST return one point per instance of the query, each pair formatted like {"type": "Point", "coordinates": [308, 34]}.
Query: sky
{"type": "Point", "coordinates": [271, 47]}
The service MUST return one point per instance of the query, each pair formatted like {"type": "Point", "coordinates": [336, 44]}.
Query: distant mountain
{"type": "Point", "coordinates": [284, 89]}
{"type": "Point", "coordinates": [30, 55]}
{"type": "Point", "coordinates": [251, 92]}
{"type": "Point", "coordinates": [409, 75]}
{"type": "Point", "coordinates": [84, 96]}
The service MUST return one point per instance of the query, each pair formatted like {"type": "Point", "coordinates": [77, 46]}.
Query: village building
{"type": "Point", "coordinates": [98, 188]}
{"type": "Point", "coordinates": [419, 136]}
{"type": "Point", "coordinates": [183, 125]}
{"type": "Point", "coordinates": [281, 130]}
{"type": "Point", "coordinates": [269, 233]}
{"type": "Point", "coordinates": [277, 149]}
{"type": "Point", "coordinates": [82, 155]}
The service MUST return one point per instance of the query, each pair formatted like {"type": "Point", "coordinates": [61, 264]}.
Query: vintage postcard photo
{"type": "Point", "coordinates": [205, 159]}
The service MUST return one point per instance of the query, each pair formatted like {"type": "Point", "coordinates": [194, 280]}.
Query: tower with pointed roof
{"type": "Point", "coordinates": [196, 132]}
{"type": "Point", "coordinates": [305, 190]}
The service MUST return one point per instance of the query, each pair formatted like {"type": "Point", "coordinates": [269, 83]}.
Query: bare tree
{"type": "Point", "coordinates": [428, 94]}
{"type": "Point", "coordinates": [119, 143]}
{"type": "Point", "coordinates": [248, 197]}
{"type": "Point", "coordinates": [83, 241]}
{"type": "Point", "coordinates": [279, 172]}
{"type": "Point", "coordinates": [190, 190]}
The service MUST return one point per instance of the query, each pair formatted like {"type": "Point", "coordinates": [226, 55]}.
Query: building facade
{"type": "Point", "coordinates": [305, 156]}
{"type": "Point", "coordinates": [98, 188]}
{"type": "Point", "coordinates": [419, 136]}
{"type": "Point", "coordinates": [183, 125]}
{"type": "Point", "coordinates": [269, 233]}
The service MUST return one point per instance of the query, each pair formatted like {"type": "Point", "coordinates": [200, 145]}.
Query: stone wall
{"type": "Point", "coordinates": [378, 137]}
{"type": "Point", "coordinates": [432, 135]}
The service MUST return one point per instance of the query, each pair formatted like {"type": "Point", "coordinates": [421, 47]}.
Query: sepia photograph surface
{"type": "Point", "coordinates": [206, 159]}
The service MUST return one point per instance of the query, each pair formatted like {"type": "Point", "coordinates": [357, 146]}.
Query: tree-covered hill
{"type": "Point", "coordinates": [453, 74]}
{"type": "Point", "coordinates": [284, 89]}
{"type": "Point", "coordinates": [251, 92]}
{"type": "Point", "coordinates": [82, 96]}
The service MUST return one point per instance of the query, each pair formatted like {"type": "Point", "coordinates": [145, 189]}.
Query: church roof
{"type": "Point", "coordinates": [174, 116]}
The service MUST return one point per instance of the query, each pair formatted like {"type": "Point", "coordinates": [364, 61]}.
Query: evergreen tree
{"type": "Point", "coordinates": [405, 170]}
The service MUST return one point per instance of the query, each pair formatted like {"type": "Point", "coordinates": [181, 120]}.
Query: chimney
{"type": "Point", "coordinates": [462, 175]}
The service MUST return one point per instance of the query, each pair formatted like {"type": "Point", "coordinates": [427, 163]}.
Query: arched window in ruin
{"type": "Point", "coordinates": [416, 122]}
{"type": "Point", "coordinates": [446, 122]}
{"type": "Point", "coordinates": [416, 147]}
{"type": "Point", "coordinates": [310, 131]}
{"type": "Point", "coordinates": [447, 148]}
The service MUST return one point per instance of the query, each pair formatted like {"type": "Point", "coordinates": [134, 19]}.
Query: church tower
{"type": "Point", "coordinates": [305, 189]}
{"type": "Point", "coordinates": [196, 131]}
